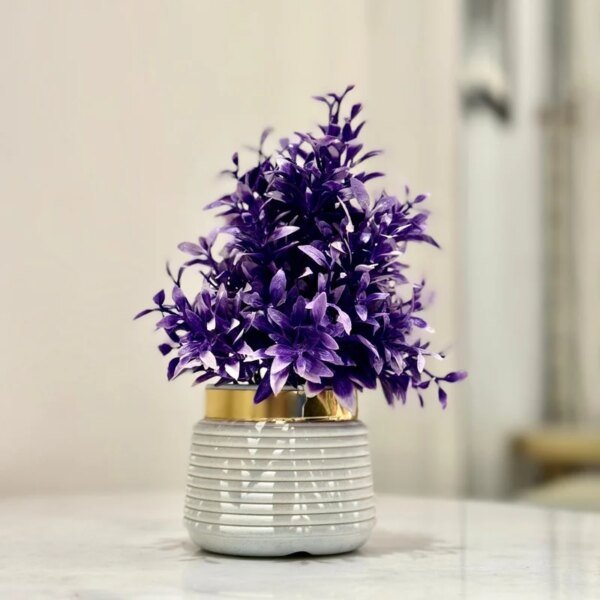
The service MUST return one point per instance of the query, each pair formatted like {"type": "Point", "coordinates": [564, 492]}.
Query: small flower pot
{"type": "Point", "coordinates": [291, 474]}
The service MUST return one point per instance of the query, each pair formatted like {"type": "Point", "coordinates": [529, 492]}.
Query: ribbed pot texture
{"type": "Point", "coordinates": [277, 488]}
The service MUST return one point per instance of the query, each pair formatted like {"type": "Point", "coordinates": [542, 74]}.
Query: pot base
{"type": "Point", "coordinates": [335, 540]}
{"type": "Point", "coordinates": [279, 488]}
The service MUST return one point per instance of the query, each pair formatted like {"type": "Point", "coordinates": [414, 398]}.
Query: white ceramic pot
{"type": "Point", "coordinates": [277, 485]}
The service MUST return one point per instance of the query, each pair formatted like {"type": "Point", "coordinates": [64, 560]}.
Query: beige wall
{"type": "Point", "coordinates": [115, 118]}
{"type": "Point", "coordinates": [504, 211]}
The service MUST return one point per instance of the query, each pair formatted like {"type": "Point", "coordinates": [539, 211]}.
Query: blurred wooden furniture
{"type": "Point", "coordinates": [560, 450]}
{"type": "Point", "coordinates": [569, 461]}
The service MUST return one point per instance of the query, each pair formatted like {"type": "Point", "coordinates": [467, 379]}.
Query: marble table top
{"type": "Point", "coordinates": [101, 547]}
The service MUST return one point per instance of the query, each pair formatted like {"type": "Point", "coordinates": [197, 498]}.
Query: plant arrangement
{"type": "Point", "coordinates": [309, 288]}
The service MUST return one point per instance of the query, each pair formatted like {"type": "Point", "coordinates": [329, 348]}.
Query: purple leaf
{"type": "Point", "coordinates": [168, 322]}
{"type": "Point", "coordinates": [356, 108]}
{"type": "Point", "coordinates": [144, 312]}
{"type": "Point", "coordinates": [419, 322]}
{"type": "Point", "coordinates": [280, 350]}
{"type": "Point", "coordinates": [190, 248]}
{"type": "Point", "coordinates": [277, 380]}
{"type": "Point", "coordinates": [204, 377]}
{"type": "Point", "coordinates": [315, 254]}
{"type": "Point", "coordinates": [263, 391]}
{"type": "Point", "coordinates": [312, 389]}
{"type": "Point", "coordinates": [443, 397]}
{"type": "Point", "coordinates": [328, 341]}
{"type": "Point", "coordinates": [265, 134]}
{"type": "Point", "coordinates": [344, 390]}
{"type": "Point", "coordinates": [360, 191]}
{"type": "Point", "coordinates": [311, 369]}
{"type": "Point", "coordinates": [344, 319]}
{"type": "Point", "coordinates": [319, 369]}
{"type": "Point", "coordinates": [171, 368]}
{"type": "Point", "coordinates": [277, 288]}
{"type": "Point", "coordinates": [280, 363]}
{"type": "Point", "coordinates": [282, 232]}
{"type": "Point", "coordinates": [278, 317]}
{"type": "Point", "coordinates": [179, 299]}
{"type": "Point", "coordinates": [208, 358]}
{"type": "Point", "coordinates": [455, 376]}
{"type": "Point", "coordinates": [319, 306]}
{"type": "Point", "coordinates": [388, 392]}
{"type": "Point", "coordinates": [233, 369]}
{"type": "Point", "coordinates": [362, 312]}
{"type": "Point", "coordinates": [369, 345]}
{"type": "Point", "coordinates": [159, 298]}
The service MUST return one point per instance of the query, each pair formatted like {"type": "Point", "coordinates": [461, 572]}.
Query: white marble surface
{"type": "Point", "coordinates": [102, 547]}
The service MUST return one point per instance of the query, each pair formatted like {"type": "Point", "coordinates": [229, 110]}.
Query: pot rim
{"type": "Point", "coordinates": [247, 386]}
{"type": "Point", "coordinates": [235, 402]}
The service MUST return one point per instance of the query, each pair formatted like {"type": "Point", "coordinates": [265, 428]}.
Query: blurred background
{"type": "Point", "coordinates": [116, 118]}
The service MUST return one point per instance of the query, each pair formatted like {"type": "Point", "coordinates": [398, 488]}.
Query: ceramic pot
{"type": "Point", "coordinates": [292, 474]}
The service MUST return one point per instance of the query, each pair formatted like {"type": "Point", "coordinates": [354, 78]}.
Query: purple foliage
{"type": "Point", "coordinates": [309, 289]}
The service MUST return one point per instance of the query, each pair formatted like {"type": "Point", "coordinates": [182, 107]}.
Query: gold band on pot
{"type": "Point", "coordinates": [236, 403]}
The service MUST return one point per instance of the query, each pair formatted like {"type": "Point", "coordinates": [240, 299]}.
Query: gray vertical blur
{"type": "Point", "coordinates": [572, 120]}
{"type": "Point", "coordinates": [531, 184]}
{"type": "Point", "coordinates": [503, 89]}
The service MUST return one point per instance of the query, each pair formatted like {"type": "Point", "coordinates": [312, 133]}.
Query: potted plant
{"type": "Point", "coordinates": [307, 304]}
